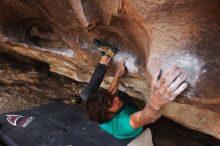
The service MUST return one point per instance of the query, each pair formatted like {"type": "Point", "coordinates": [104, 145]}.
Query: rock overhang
{"type": "Point", "coordinates": [152, 34]}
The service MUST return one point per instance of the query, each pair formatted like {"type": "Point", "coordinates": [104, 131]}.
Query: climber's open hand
{"type": "Point", "coordinates": [166, 86]}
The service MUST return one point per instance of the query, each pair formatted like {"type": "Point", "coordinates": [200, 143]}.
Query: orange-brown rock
{"type": "Point", "coordinates": [25, 83]}
{"type": "Point", "coordinates": [152, 34]}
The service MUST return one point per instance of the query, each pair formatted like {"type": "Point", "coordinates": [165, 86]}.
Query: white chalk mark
{"type": "Point", "coordinates": [62, 51]}
{"type": "Point", "coordinates": [66, 52]}
{"type": "Point", "coordinates": [189, 62]}
{"type": "Point", "coordinates": [130, 62]}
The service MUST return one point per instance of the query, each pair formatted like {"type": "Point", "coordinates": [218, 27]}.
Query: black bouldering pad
{"type": "Point", "coordinates": [54, 124]}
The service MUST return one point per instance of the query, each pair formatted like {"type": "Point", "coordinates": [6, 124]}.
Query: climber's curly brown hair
{"type": "Point", "coordinates": [97, 106]}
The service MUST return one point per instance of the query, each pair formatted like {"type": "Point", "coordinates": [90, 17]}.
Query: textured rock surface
{"type": "Point", "coordinates": [26, 83]}
{"type": "Point", "coordinates": [151, 33]}
{"type": "Point", "coordinates": [22, 85]}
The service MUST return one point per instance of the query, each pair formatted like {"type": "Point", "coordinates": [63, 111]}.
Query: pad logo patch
{"type": "Point", "coordinates": [18, 120]}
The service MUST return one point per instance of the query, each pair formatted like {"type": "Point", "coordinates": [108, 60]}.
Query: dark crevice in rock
{"type": "Point", "coordinates": [25, 83]}
{"type": "Point", "coordinates": [168, 133]}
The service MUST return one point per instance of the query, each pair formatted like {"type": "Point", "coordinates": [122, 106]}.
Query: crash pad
{"type": "Point", "coordinates": [54, 124]}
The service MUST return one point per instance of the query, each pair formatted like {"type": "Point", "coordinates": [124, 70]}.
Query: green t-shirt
{"type": "Point", "coordinates": [119, 126]}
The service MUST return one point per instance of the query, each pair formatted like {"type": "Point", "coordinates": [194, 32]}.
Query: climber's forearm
{"type": "Point", "coordinates": [114, 84]}
{"type": "Point", "coordinates": [143, 117]}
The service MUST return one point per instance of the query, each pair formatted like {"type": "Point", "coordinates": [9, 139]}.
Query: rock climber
{"type": "Point", "coordinates": [114, 111]}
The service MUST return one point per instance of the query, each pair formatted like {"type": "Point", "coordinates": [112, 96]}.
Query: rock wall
{"type": "Point", "coordinates": [26, 83]}
{"type": "Point", "coordinates": [152, 34]}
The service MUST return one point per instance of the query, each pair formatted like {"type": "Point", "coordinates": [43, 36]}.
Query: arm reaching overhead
{"type": "Point", "coordinates": [164, 88]}
{"type": "Point", "coordinates": [119, 73]}
{"type": "Point", "coordinates": [96, 78]}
